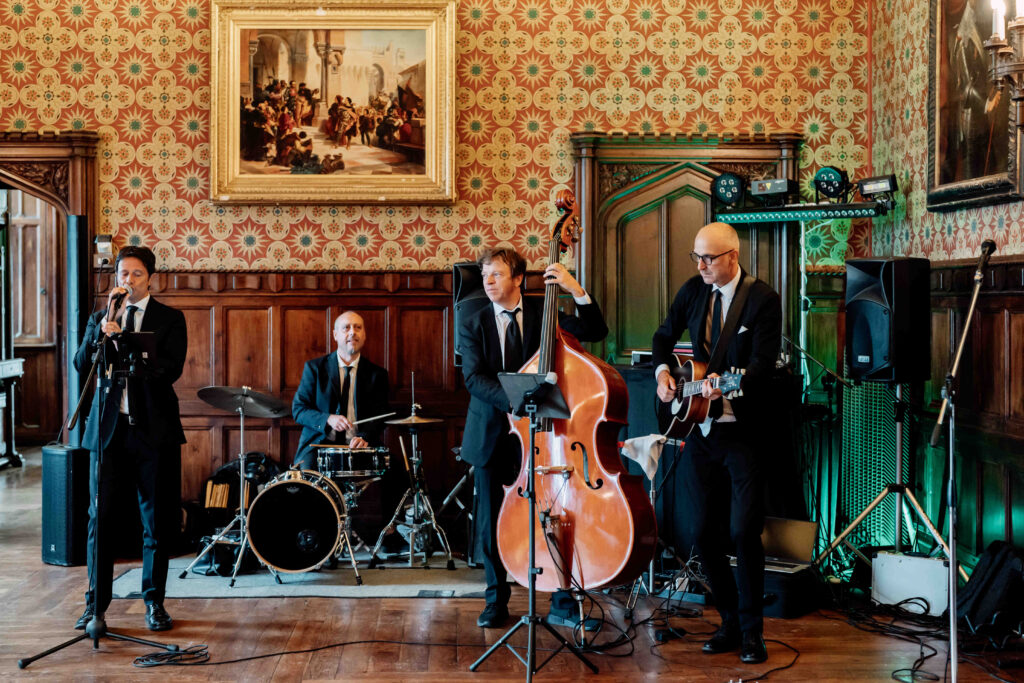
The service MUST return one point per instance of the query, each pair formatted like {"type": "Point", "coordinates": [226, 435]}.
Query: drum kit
{"type": "Point", "coordinates": [301, 519]}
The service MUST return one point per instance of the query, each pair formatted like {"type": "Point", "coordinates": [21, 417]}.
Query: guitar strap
{"type": "Point", "coordinates": [735, 309]}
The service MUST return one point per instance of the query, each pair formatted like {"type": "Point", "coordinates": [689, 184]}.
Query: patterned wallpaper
{"type": "Point", "coordinates": [900, 93]}
{"type": "Point", "coordinates": [138, 72]}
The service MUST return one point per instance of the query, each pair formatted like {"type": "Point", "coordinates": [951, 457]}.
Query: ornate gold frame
{"type": "Point", "coordinates": [436, 185]}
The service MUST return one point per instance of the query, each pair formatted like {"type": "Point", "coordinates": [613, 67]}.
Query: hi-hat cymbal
{"type": "Point", "coordinates": [252, 403]}
{"type": "Point", "coordinates": [414, 420]}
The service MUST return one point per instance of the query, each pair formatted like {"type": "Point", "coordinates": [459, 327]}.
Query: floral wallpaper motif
{"type": "Point", "coordinates": [900, 93]}
{"type": "Point", "coordinates": [528, 73]}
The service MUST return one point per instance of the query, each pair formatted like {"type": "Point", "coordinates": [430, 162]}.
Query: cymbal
{"type": "Point", "coordinates": [252, 403]}
{"type": "Point", "coordinates": [414, 420]}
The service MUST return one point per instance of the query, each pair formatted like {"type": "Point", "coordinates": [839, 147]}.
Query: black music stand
{"type": "Point", "coordinates": [532, 395]}
{"type": "Point", "coordinates": [138, 350]}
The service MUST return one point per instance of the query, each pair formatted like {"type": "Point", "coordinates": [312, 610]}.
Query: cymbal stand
{"type": "Point", "coordinates": [422, 512]}
{"type": "Point", "coordinates": [239, 519]}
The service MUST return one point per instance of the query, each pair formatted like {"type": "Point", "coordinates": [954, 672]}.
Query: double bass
{"type": "Point", "coordinates": [595, 524]}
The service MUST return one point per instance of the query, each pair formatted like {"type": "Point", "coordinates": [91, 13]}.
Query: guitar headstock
{"type": "Point", "coordinates": [731, 383]}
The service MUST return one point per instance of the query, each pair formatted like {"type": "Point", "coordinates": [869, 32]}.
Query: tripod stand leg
{"type": "Point", "coordinates": [935, 532]}
{"type": "Point", "coordinates": [390, 526]}
{"type": "Point", "coordinates": [568, 646]}
{"type": "Point", "coordinates": [209, 546]}
{"type": "Point", "coordinates": [498, 643]}
{"type": "Point", "coordinates": [440, 532]}
{"type": "Point", "coordinates": [22, 663]}
{"type": "Point", "coordinates": [846, 532]}
{"type": "Point", "coordinates": [346, 545]}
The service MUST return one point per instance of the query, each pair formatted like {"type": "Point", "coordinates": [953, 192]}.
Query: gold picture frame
{"type": "Point", "coordinates": [333, 101]}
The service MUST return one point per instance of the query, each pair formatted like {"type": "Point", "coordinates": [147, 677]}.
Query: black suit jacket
{"type": "Point", "coordinates": [152, 401]}
{"type": "Point", "coordinates": [319, 397]}
{"type": "Point", "coordinates": [482, 360]}
{"type": "Point", "coordinates": [754, 346]}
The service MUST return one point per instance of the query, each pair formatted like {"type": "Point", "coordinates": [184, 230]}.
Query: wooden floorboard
{"type": "Point", "coordinates": [41, 602]}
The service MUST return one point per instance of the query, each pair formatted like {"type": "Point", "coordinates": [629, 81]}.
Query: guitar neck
{"type": "Point", "coordinates": [695, 387]}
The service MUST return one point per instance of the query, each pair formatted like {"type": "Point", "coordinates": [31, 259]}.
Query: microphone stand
{"type": "Point", "coordinates": [97, 627]}
{"type": "Point", "coordinates": [948, 405]}
{"type": "Point", "coordinates": [539, 401]}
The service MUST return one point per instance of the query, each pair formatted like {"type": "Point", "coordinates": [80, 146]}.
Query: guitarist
{"type": "Point", "coordinates": [723, 451]}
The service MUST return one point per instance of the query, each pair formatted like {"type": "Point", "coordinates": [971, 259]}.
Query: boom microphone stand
{"type": "Point", "coordinates": [97, 627]}
{"type": "Point", "coordinates": [948, 400]}
{"type": "Point", "coordinates": [539, 399]}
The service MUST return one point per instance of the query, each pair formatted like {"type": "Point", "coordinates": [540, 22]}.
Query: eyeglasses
{"type": "Point", "coordinates": [708, 259]}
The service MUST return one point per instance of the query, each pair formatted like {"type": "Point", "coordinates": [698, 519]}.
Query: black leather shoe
{"type": "Point", "coordinates": [86, 617]}
{"type": "Point", "coordinates": [753, 651]}
{"type": "Point", "coordinates": [157, 618]}
{"type": "Point", "coordinates": [726, 639]}
{"type": "Point", "coordinates": [493, 616]}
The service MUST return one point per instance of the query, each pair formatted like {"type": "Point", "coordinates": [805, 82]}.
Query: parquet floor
{"type": "Point", "coordinates": [435, 639]}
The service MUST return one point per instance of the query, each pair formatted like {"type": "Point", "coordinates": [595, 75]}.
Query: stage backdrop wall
{"type": "Point", "coordinates": [138, 72]}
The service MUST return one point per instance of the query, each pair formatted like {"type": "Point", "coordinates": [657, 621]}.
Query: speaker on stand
{"type": "Point", "coordinates": [65, 505]}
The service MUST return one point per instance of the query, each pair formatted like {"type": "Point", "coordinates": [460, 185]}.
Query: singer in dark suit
{"type": "Point", "coordinates": [722, 453]}
{"type": "Point", "coordinates": [338, 390]}
{"type": "Point", "coordinates": [134, 422]}
{"type": "Point", "coordinates": [491, 344]}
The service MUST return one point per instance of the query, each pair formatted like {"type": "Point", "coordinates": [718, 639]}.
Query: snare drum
{"type": "Point", "coordinates": [296, 521]}
{"type": "Point", "coordinates": [342, 462]}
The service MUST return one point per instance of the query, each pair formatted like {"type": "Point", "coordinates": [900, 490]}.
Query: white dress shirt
{"type": "Point", "coordinates": [502, 320]}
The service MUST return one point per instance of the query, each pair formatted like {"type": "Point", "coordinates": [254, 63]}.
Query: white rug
{"type": "Point", "coordinates": [393, 581]}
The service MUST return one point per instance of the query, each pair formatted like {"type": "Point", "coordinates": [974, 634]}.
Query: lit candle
{"type": "Point", "coordinates": [998, 19]}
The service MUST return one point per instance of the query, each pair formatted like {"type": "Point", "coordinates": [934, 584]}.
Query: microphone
{"type": "Point", "coordinates": [115, 303]}
{"type": "Point", "coordinates": [987, 249]}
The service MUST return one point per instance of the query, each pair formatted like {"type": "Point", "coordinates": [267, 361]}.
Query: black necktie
{"type": "Point", "coordinates": [129, 320]}
{"type": "Point", "coordinates": [345, 388]}
{"type": "Point", "coordinates": [716, 317]}
{"type": "Point", "coordinates": [513, 343]}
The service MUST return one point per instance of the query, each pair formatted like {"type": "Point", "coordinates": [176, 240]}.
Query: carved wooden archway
{"type": "Point", "coordinates": [61, 169]}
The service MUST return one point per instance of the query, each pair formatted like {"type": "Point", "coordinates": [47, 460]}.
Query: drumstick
{"type": "Point", "coordinates": [371, 419]}
{"type": "Point", "coordinates": [405, 457]}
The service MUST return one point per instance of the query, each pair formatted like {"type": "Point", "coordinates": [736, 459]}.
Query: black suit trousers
{"type": "Point", "coordinates": [155, 475]}
{"type": "Point", "coordinates": [722, 481]}
{"type": "Point", "coordinates": [489, 480]}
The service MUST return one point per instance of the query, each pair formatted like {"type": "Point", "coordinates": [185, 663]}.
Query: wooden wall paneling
{"type": "Point", "coordinates": [377, 322]}
{"type": "Point", "coordinates": [992, 502]}
{"type": "Point", "coordinates": [259, 437]}
{"type": "Point", "coordinates": [248, 351]}
{"type": "Point", "coordinates": [1015, 368]}
{"type": "Point", "coordinates": [990, 376]}
{"type": "Point", "coordinates": [423, 346]}
{"type": "Point", "coordinates": [305, 334]}
{"type": "Point", "coordinates": [37, 395]}
{"type": "Point", "coordinates": [197, 460]}
{"type": "Point", "coordinates": [200, 362]}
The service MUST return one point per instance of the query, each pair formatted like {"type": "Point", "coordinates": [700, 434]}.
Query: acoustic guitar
{"type": "Point", "coordinates": [677, 418]}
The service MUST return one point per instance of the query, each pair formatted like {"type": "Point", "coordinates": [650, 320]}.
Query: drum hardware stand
{"type": "Point", "coordinates": [536, 408]}
{"type": "Point", "coordinates": [243, 535]}
{"type": "Point", "coordinates": [948, 401]}
{"type": "Point", "coordinates": [352, 491]}
{"type": "Point", "coordinates": [420, 507]}
{"type": "Point", "coordinates": [97, 627]}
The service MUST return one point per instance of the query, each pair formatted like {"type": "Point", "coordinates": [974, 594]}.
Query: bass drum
{"type": "Point", "coordinates": [296, 521]}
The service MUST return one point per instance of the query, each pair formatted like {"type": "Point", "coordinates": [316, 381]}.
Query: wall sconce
{"type": "Point", "coordinates": [1006, 56]}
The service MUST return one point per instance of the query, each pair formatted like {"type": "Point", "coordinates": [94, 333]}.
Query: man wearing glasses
{"type": "Point", "coordinates": [721, 471]}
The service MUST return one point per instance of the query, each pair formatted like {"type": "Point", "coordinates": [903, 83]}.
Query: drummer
{"type": "Point", "coordinates": [338, 391]}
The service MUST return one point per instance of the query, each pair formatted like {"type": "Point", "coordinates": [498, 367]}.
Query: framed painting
{"type": "Point", "coordinates": [973, 136]}
{"type": "Point", "coordinates": [333, 101]}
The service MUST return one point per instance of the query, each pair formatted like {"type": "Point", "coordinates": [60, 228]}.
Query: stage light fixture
{"type": "Point", "coordinates": [729, 189]}
{"type": "Point", "coordinates": [879, 189]}
{"type": "Point", "coordinates": [774, 191]}
{"type": "Point", "coordinates": [831, 182]}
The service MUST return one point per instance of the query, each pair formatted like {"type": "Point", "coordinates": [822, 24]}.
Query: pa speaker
{"type": "Point", "coordinates": [888, 319]}
{"type": "Point", "coordinates": [65, 505]}
{"type": "Point", "coordinates": [469, 297]}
